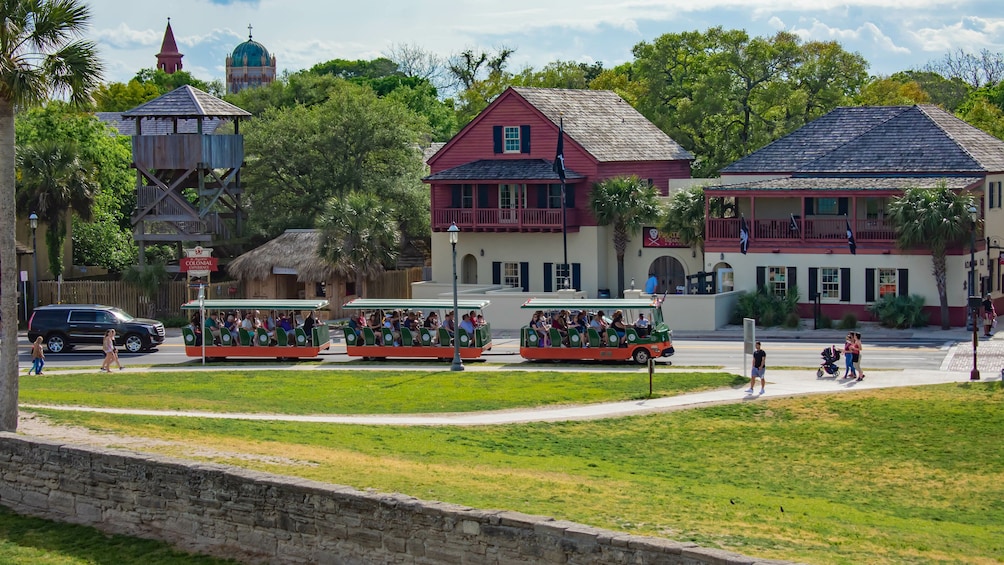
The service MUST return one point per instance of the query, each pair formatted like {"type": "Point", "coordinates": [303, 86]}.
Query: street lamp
{"type": "Point", "coordinates": [974, 298]}
{"type": "Point", "coordinates": [33, 222]}
{"type": "Point", "coordinates": [457, 365]}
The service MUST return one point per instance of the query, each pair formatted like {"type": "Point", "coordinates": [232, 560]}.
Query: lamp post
{"type": "Point", "coordinates": [457, 365]}
{"type": "Point", "coordinates": [974, 298]}
{"type": "Point", "coordinates": [33, 222]}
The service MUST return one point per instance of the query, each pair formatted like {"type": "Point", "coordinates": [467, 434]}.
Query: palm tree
{"type": "Point", "coordinates": [685, 217]}
{"type": "Point", "coordinates": [359, 235]}
{"type": "Point", "coordinates": [54, 179]}
{"type": "Point", "coordinates": [39, 55]}
{"type": "Point", "coordinates": [626, 203]}
{"type": "Point", "coordinates": [936, 219]}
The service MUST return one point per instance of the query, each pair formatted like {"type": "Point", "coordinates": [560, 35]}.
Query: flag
{"type": "Point", "coordinates": [559, 155]}
{"type": "Point", "coordinates": [744, 235]}
{"type": "Point", "coordinates": [794, 223]}
{"type": "Point", "coordinates": [850, 238]}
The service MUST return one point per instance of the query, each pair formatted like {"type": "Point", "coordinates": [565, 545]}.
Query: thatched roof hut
{"type": "Point", "coordinates": [295, 251]}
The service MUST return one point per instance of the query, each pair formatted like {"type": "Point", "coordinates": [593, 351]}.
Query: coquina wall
{"type": "Point", "coordinates": [261, 518]}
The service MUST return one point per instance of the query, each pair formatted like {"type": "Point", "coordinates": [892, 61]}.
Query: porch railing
{"type": "Point", "coordinates": [781, 230]}
{"type": "Point", "coordinates": [500, 218]}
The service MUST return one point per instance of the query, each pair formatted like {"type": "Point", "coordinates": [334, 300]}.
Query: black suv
{"type": "Point", "coordinates": [63, 326]}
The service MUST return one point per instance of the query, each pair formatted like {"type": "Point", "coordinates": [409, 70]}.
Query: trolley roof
{"type": "Point", "coordinates": [590, 304]}
{"type": "Point", "coordinates": [414, 304]}
{"type": "Point", "coordinates": [256, 304]}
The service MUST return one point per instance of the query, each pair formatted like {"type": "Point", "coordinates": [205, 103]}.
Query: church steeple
{"type": "Point", "coordinates": [169, 59]}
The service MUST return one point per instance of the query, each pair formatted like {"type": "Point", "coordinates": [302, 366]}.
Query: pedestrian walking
{"type": "Point", "coordinates": [850, 350]}
{"type": "Point", "coordinates": [37, 357]}
{"type": "Point", "coordinates": [758, 370]}
{"type": "Point", "coordinates": [111, 353]}
{"type": "Point", "coordinates": [989, 315]}
{"type": "Point", "coordinates": [857, 356]}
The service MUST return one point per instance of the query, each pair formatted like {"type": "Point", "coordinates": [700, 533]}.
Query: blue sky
{"type": "Point", "coordinates": [892, 35]}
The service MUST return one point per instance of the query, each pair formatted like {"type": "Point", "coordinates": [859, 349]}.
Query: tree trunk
{"type": "Point", "coordinates": [620, 247]}
{"type": "Point", "coordinates": [940, 274]}
{"type": "Point", "coordinates": [8, 273]}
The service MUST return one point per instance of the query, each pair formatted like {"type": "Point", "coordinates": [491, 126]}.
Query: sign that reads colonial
{"type": "Point", "coordinates": [199, 262]}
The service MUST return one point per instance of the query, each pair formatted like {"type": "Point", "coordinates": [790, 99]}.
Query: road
{"type": "Point", "coordinates": [705, 353]}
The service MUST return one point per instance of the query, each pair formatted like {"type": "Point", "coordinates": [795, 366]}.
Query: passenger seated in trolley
{"type": "Point", "coordinates": [560, 322]}
{"type": "Point", "coordinates": [643, 326]}
{"type": "Point", "coordinates": [599, 323]}
{"type": "Point", "coordinates": [620, 327]}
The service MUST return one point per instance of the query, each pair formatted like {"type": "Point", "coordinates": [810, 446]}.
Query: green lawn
{"type": "Point", "coordinates": [910, 475]}
{"type": "Point", "coordinates": [316, 391]}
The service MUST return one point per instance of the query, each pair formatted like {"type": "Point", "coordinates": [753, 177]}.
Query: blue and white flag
{"type": "Point", "coordinates": [744, 235]}
{"type": "Point", "coordinates": [559, 155]}
{"type": "Point", "coordinates": [850, 238]}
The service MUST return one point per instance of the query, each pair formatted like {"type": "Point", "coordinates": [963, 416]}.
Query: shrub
{"type": "Point", "coordinates": [175, 322]}
{"type": "Point", "coordinates": [792, 320]}
{"type": "Point", "coordinates": [900, 311]}
{"type": "Point", "coordinates": [767, 308]}
{"type": "Point", "coordinates": [825, 322]}
{"type": "Point", "coordinates": [849, 321]}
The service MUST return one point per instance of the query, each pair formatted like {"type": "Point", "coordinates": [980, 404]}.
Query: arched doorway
{"type": "Point", "coordinates": [669, 273]}
{"type": "Point", "coordinates": [724, 277]}
{"type": "Point", "coordinates": [469, 270]}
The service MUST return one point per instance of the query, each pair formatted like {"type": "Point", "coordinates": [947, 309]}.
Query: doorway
{"type": "Point", "coordinates": [469, 270]}
{"type": "Point", "coordinates": [670, 274]}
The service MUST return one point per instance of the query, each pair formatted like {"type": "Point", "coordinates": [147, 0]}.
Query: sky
{"type": "Point", "coordinates": [892, 35]}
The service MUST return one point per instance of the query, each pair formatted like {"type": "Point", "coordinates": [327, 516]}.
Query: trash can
{"type": "Point", "coordinates": [603, 293]}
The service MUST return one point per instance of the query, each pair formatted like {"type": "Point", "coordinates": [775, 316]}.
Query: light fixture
{"type": "Point", "coordinates": [974, 299]}
{"type": "Point", "coordinates": [457, 365]}
{"type": "Point", "coordinates": [33, 222]}
{"type": "Point", "coordinates": [482, 252]}
{"type": "Point", "coordinates": [639, 252]}
{"type": "Point", "coordinates": [721, 256]}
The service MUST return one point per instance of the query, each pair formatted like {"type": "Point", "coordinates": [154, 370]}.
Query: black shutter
{"type": "Point", "coordinates": [496, 272]}
{"type": "Point", "coordinates": [869, 285]}
{"type": "Point", "coordinates": [542, 193]}
{"type": "Point", "coordinates": [904, 282]}
{"type": "Point", "coordinates": [808, 207]}
{"type": "Point", "coordinates": [842, 206]}
{"type": "Point", "coordinates": [524, 275]}
{"type": "Point", "coordinates": [482, 196]}
{"type": "Point", "coordinates": [576, 276]}
{"type": "Point", "coordinates": [548, 276]}
{"type": "Point", "coordinates": [845, 285]}
{"type": "Point", "coordinates": [991, 199]}
{"type": "Point", "coordinates": [497, 138]}
{"type": "Point", "coordinates": [455, 196]}
{"type": "Point", "coordinates": [761, 277]}
{"type": "Point", "coordinates": [791, 279]}
{"type": "Point", "coordinates": [569, 197]}
{"type": "Point", "coordinates": [524, 139]}
{"type": "Point", "coordinates": [813, 283]}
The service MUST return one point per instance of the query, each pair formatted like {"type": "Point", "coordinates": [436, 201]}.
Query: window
{"type": "Point", "coordinates": [466, 198]}
{"type": "Point", "coordinates": [777, 277]}
{"type": "Point", "coordinates": [887, 282]}
{"type": "Point", "coordinates": [320, 288]}
{"type": "Point", "coordinates": [829, 283]}
{"type": "Point", "coordinates": [875, 208]}
{"type": "Point", "coordinates": [350, 288]}
{"type": "Point", "coordinates": [826, 206]}
{"type": "Point", "coordinates": [562, 278]}
{"type": "Point", "coordinates": [510, 274]}
{"type": "Point", "coordinates": [511, 139]}
{"type": "Point", "coordinates": [554, 196]}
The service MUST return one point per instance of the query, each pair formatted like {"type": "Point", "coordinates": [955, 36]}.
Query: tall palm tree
{"type": "Point", "coordinates": [359, 235]}
{"type": "Point", "coordinates": [53, 179]}
{"type": "Point", "coordinates": [685, 217]}
{"type": "Point", "coordinates": [40, 54]}
{"type": "Point", "coordinates": [626, 203]}
{"type": "Point", "coordinates": [936, 219]}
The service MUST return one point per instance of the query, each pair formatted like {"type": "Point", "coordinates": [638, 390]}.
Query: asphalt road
{"type": "Point", "coordinates": [889, 354]}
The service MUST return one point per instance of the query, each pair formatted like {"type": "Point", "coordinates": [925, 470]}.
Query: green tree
{"type": "Point", "coordinates": [119, 97]}
{"type": "Point", "coordinates": [885, 91]}
{"type": "Point", "coordinates": [149, 280]}
{"type": "Point", "coordinates": [934, 219]}
{"type": "Point", "coordinates": [54, 179]}
{"type": "Point", "coordinates": [627, 204]}
{"type": "Point", "coordinates": [360, 236]}
{"type": "Point", "coordinates": [947, 93]}
{"type": "Point", "coordinates": [685, 217]}
{"type": "Point", "coordinates": [39, 53]}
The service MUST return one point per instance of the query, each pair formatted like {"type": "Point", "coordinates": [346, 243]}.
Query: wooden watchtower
{"type": "Point", "coordinates": [188, 187]}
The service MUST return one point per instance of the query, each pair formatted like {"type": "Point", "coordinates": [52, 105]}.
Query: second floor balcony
{"type": "Point", "coordinates": [788, 230]}
{"type": "Point", "coordinates": [504, 219]}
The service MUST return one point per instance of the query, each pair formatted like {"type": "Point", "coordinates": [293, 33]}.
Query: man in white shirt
{"type": "Point", "coordinates": [643, 325]}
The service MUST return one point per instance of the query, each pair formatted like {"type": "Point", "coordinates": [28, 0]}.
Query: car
{"type": "Point", "coordinates": [64, 326]}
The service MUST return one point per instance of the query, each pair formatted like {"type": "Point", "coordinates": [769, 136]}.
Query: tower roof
{"type": "Point", "coordinates": [252, 52]}
{"type": "Point", "coordinates": [186, 102]}
{"type": "Point", "coordinates": [169, 59]}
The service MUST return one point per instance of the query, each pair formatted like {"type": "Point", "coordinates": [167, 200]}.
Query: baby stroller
{"type": "Point", "coordinates": [830, 357]}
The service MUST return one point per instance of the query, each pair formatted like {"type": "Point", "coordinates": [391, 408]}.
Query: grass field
{"type": "Point", "coordinates": [911, 475]}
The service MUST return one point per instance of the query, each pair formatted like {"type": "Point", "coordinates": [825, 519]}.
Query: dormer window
{"type": "Point", "coordinates": [511, 137]}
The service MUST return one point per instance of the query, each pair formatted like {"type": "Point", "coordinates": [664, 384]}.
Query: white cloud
{"type": "Point", "coordinates": [970, 33]}
{"type": "Point", "coordinates": [865, 34]}
{"type": "Point", "coordinates": [126, 37]}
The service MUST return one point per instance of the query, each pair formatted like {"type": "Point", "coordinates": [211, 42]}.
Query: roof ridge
{"type": "Point", "coordinates": [880, 123]}
{"type": "Point", "coordinates": [923, 109]}
{"type": "Point", "coordinates": [191, 90]}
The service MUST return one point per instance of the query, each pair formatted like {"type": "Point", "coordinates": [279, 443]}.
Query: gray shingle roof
{"type": "Point", "coordinates": [503, 169]}
{"type": "Point", "coordinates": [879, 139]}
{"type": "Point", "coordinates": [604, 124]}
{"type": "Point", "coordinates": [186, 102]}
{"type": "Point", "coordinates": [152, 126]}
{"type": "Point", "coordinates": [890, 184]}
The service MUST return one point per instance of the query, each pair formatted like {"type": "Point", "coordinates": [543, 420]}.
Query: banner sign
{"type": "Point", "coordinates": [653, 238]}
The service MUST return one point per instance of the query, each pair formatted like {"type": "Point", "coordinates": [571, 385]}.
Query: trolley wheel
{"type": "Point", "coordinates": [819, 373]}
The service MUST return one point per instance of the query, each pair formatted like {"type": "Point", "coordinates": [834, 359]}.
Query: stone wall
{"type": "Point", "coordinates": [261, 518]}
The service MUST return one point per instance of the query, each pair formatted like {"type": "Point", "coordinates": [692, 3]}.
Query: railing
{"type": "Point", "coordinates": [505, 218]}
{"type": "Point", "coordinates": [781, 230]}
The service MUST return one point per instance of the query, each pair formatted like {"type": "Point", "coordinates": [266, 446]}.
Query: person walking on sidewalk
{"type": "Point", "coordinates": [989, 315]}
{"type": "Point", "coordinates": [849, 348]}
{"type": "Point", "coordinates": [857, 356]}
{"type": "Point", "coordinates": [37, 357]}
{"type": "Point", "coordinates": [111, 354]}
{"type": "Point", "coordinates": [759, 368]}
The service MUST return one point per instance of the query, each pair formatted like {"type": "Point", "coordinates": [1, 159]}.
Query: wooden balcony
{"type": "Point", "coordinates": [503, 219]}
{"type": "Point", "coordinates": [779, 231]}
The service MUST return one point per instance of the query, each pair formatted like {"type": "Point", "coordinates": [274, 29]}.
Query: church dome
{"type": "Point", "coordinates": [255, 53]}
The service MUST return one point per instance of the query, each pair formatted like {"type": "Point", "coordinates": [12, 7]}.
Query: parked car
{"type": "Point", "coordinates": [64, 326]}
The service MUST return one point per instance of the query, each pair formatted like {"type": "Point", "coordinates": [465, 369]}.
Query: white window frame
{"type": "Point", "coordinates": [510, 274]}
{"type": "Point", "coordinates": [829, 284]}
{"type": "Point", "coordinates": [886, 282]}
{"type": "Point", "coordinates": [561, 274]}
{"type": "Point", "coordinates": [777, 279]}
{"type": "Point", "coordinates": [510, 139]}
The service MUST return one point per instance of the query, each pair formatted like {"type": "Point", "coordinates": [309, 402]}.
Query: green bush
{"type": "Point", "coordinates": [767, 308]}
{"type": "Point", "coordinates": [900, 311]}
{"type": "Point", "coordinates": [849, 321]}
{"type": "Point", "coordinates": [792, 320]}
{"type": "Point", "coordinates": [175, 322]}
{"type": "Point", "coordinates": [825, 323]}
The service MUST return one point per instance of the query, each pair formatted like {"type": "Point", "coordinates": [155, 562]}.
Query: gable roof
{"type": "Point", "coordinates": [186, 102]}
{"type": "Point", "coordinates": [921, 139]}
{"type": "Point", "coordinates": [604, 124]}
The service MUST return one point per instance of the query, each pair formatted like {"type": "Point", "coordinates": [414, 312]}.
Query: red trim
{"type": "Point", "coordinates": [413, 351]}
{"type": "Point", "coordinates": [260, 351]}
{"type": "Point", "coordinates": [590, 353]}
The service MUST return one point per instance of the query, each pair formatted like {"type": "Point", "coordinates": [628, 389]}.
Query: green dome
{"type": "Point", "coordinates": [257, 55]}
